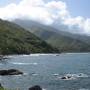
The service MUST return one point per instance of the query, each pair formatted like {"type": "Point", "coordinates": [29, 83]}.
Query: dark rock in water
{"type": "Point", "coordinates": [66, 77]}
{"type": "Point", "coordinates": [57, 55]}
{"type": "Point", "coordinates": [35, 88]}
{"type": "Point", "coordinates": [63, 77]}
{"type": "Point", "coordinates": [14, 72]}
{"type": "Point", "coordinates": [80, 74]}
{"type": "Point", "coordinates": [3, 72]}
{"type": "Point", "coordinates": [10, 72]}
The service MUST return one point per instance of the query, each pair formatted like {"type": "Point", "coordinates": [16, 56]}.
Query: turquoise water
{"type": "Point", "coordinates": [47, 70]}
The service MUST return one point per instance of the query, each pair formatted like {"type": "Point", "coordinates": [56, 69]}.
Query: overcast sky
{"type": "Point", "coordinates": [72, 13]}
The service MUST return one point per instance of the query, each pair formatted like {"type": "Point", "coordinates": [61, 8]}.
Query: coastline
{"type": "Point", "coordinates": [4, 57]}
{"type": "Point", "coordinates": [45, 54]}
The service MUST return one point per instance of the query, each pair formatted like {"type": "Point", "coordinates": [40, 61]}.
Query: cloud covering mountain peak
{"type": "Point", "coordinates": [47, 13]}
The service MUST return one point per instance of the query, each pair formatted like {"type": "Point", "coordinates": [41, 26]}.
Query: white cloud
{"type": "Point", "coordinates": [47, 13]}
{"type": "Point", "coordinates": [56, 5]}
{"type": "Point", "coordinates": [31, 3]}
{"type": "Point", "coordinates": [86, 26]}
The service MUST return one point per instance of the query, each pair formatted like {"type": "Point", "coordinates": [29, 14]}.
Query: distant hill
{"type": "Point", "coordinates": [64, 41]}
{"type": "Point", "coordinates": [16, 40]}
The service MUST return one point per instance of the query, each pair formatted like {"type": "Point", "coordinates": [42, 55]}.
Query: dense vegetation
{"type": "Point", "coordinates": [16, 40]}
{"type": "Point", "coordinates": [64, 41]}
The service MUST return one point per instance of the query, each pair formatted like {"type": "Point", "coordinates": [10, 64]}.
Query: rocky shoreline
{"type": "Point", "coordinates": [16, 72]}
{"type": "Point", "coordinates": [36, 87]}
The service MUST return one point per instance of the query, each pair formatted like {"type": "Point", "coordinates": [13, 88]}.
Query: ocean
{"type": "Point", "coordinates": [47, 70]}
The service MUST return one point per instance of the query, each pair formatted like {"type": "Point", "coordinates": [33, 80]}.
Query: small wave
{"type": "Point", "coordinates": [77, 75]}
{"type": "Point", "coordinates": [24, 55]}
{"type": "Point", "coordinates": [72, 76]}
{"type": "Point", "coordinates": [66, 78]}
{"type": "Point", "coordinates": [39, 54]}
{"type": "Point", "coordinates": [83, 89]}
{"type": "Point", "coordinates": [16, 75]}
{"type": "Point", "coordinates": [34, 63]}
{"type": "Point", "coordinates": [44, 89]}
{"type": "Point", "coordinates": [34, 54]}
{"type": "Point", "coordinates": [44, 54]}
{"type": "Point", "coordinates": [25, 74]}
{"type": "Point", "coordinates": [34, 74]}
{"type": "Point", "coordinates": [55, 74]}
{"type": "Point", "coordinates": [17, 63]}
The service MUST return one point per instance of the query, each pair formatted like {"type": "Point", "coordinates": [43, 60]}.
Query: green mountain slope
{"type": "Point", "coordinates": [64, 41]}
{"type": "Point", "coordinates": [16, 40]}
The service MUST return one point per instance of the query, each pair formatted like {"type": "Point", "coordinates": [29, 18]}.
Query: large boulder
{"type": "Point", "coordinates": [10, 72]}
{"type": "Point", "coordinates": [14, 72]}
{"type": "Point", "coordinates": [3, 72]}
{"type": "Point", "coordinates": [35, 88]}
{"type": "Point", "coordinates": [66, 77]}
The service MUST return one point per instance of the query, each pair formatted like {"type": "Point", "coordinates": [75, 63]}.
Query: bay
{"type": "Point", "coordinates": [46, 70]}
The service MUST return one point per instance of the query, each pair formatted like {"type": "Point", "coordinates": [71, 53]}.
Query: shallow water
{"type": "Point", "coordinates": [47, 70]}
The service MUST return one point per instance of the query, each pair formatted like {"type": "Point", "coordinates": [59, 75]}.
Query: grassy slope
{"type": "Point", "coordinates": [64, 41]}
{"type": "Point", "coordinates": [16, 40]}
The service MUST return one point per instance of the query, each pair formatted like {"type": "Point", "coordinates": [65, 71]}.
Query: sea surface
{"type": "Point", "coordinates": [47, 70]}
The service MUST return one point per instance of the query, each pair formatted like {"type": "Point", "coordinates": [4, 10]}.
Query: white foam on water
{"type": "Point", "coordinates": [25, 55]}
{"type": "Point", "coordinates": [25, 74]}
{"type": "Point", "coordinates": [17, 75]}
{"type": "Point", "coordinates": [18, 63]}
{"type": "Point", "coordinates": [35, 74]}
{"type": "Point", "coordinates": [44, 89]}
{"type": "Point", "coordinates": [77, 75]}
{"type": "Point", "coordinates": [35, 63]}
{"type": "Point", "coordinates": [72, 76]}
{"type": "Point", "coordinates": [84, 89]}
{"type": "Point", "coordinates": [55, 74]}
{"type": "Point", "coordinates": [34, 54]}
{"type": "Point", "coordinates": [82, 75]}
{"type": "Point", "coordinates": [44, 54]}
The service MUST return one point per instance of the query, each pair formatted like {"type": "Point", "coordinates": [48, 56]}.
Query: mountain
{"type": "Point", "coordinates": [16, 40]}
{"type": "Point", "coordinates": [64, 41]}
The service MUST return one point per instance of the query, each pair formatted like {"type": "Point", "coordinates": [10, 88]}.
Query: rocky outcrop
{"type": "Point", "coordinates": [66, 77]}
{"type": "Point", "coordinates": [10, 72]}
{"type": "Point", "coordinates": [35, 88]}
